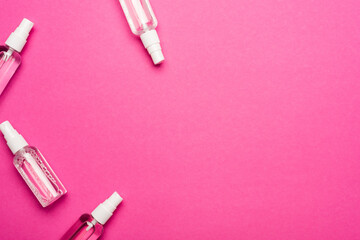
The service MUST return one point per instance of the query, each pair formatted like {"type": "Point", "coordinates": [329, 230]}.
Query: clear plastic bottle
{"type": "Point", "coordinates": [142, 22]}
{"type": "Point", "coordinates": [33, 167]}
{"type": "Point", "coordinates": [10, 58]}
{"type": "Point", "coordinates": [90, 226]}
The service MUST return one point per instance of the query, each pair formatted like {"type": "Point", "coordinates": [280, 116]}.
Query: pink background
{"type": "Point", "coordinates": [249, 130]}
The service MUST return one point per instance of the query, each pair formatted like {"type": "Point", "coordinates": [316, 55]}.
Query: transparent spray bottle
{"type": "Point", "coordinates": [90, 226]}
{"type": "Point", "coordinates": [10, 58]}
{"type": "Point", "coordinates": [33, 167]}
{"type": "Point", "coordinates": [142, 22]}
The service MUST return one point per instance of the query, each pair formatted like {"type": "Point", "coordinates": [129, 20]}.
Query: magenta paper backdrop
{"type": "Point", "coordinates": [249, 130]}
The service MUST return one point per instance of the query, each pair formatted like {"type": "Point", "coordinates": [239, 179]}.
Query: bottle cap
{"type": "Point", "coordinates": [14, 140]}
{"type": "Point", "coordinates": [17, 39]}
{"type": "Point", "coordinates": [105, 210]}
{"type": "Point", "coordinates": [151, 42]}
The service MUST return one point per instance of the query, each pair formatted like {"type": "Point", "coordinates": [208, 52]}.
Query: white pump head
{"type": "Point", "coordinates": [151, 42]}
{"type": "Point", "coordinates": [14, 140]}
{"type": "Point", "coordinates": [105, 210]}
{"type": "Point", "coordinates": [17, 39]}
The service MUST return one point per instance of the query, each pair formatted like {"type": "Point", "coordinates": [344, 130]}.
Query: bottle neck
{"type": "Point", "coordinates": [18, 149]}
{"type": "Point", "coordinates": [91, 224]}
{"type": "Point", "coordinates": [6, 55]}
{"type": "Point", "coordinates": [11, 50]}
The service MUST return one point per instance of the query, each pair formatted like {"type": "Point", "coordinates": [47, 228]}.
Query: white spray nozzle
{"type": "Point", "coordinates": [7, 130]}
{"type": "Point", "coordinates": [104, 211]}
{"type": "Point", "coordinates": [14, 140]}
{"type": "Point", "coordinates": [151, 42]}
{"type": "Point", "coordinates": [24, 28]}
{"type": "Point", "coordinates": [17, 39]}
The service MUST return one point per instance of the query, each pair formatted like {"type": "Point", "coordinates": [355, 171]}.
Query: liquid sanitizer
{"type": "Point", "coordinates": [90, 226]}
{"type": "Point", "coordinates": [10, 58]}
{"type": "Point", "coordinates": [33, 167]}
{"type": "Point", "coordinates": [142, 22]}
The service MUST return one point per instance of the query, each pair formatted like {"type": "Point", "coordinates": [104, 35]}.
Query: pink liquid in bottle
{"type": "Point", "coordinates": [90, 226]}
{"type": "Point", "coordinates": [8, 65]}
{"type": "Point", "coordinates": [9, 54]}
{"type": "Point", "coordinates": [84, 229]}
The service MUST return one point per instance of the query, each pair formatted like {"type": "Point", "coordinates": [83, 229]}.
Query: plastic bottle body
{"type": "Point", "coordinates": [139, 15]}
{"type": "Point", "coordinates": [38, 175]}
{"type": "Point", "coordinates": [86, 228]}
{"type": "Point", "coordinates": [9, 62]}
{"type": "Point", "coordinates": [142, 22]}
